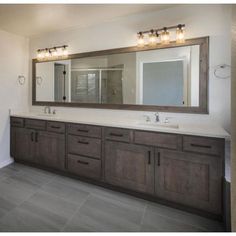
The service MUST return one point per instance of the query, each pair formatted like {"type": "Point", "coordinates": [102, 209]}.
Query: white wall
{"type": "Point", "coordinates": [13, 62]}
{"type": "Point", "coordinates": [200, 20]}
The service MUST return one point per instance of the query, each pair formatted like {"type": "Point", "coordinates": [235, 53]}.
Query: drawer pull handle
{"type": "Point", "coordinates": [55, 127]}
{"type": "Point", "coordinates": [83, 142]}
{"type": "Point", "coordinates": [83, 130]}
{"type": "Point", "coordinates": [82, 162]}
{"type": "Point", "coordinates": [116, 135]}
{"type": "Point", "coordinates": [32, 136]}
{"type": "Point", "coordinates": [149, 157]}
{"type": "Point", "coordinates": [36, 137]}
{"type": "Point", "coordinates": [17, 122]}
{"type": "Point", "coordinates": [158, 159]}
{"type": "Point", "coordinates": [199, 145]}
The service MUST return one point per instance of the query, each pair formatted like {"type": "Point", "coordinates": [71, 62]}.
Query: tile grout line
{"type": "Point", "coordinates": [77, 210]}
{"type": "Point", "coordinates": [144, 212]}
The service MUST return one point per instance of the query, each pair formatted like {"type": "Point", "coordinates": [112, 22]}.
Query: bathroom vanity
{"type": "Point", "coordinates": [184, 167]}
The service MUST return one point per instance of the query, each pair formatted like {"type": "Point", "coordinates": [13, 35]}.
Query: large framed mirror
{"type": "Point", "coordinates": [170, 78]}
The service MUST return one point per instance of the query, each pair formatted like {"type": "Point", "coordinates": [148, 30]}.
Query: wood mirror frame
{"type": "Point", "coordinates": [203, 42]}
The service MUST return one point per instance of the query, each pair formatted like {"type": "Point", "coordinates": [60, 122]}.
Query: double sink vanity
{"type": "Point", "coordinates": [177, 165]}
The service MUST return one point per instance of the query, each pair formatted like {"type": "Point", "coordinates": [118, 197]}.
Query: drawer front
{"type": "Point", "coordinates": [35, 124]}
{"type": "Point", "coordinates": [85, 130]}
{"type": "Point", "coordinates": [56, 127]}
{"type": "Point", "coordinates": [84, 146]}
{"type": "Point", "coordinates": [17, 122]}
{"type": "Point", "coordinates": [171, 141]}
{"type": "Point", "coordinates": [123, 135]}
{"type": "Point", "coordinates": [84, 166]}
{"type": "Point", "coordinates": [203, 145]}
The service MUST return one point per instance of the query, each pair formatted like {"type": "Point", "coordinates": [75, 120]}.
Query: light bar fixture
{"type": "Point", "coordinates": [162, 35]}
{"type": "Point", "coordinates": [51, 53]}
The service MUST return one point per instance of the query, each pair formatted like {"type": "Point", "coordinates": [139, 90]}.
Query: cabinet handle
{"type": "Point", "coordinates": [16, 122]}
{"type": "Point", "coordinates": [55, 127]}
{"type": "Point", "coordinates": [83, 142]}
{"type": "Point", "coordinates": [82, 162]}
{"type": "Point", "coordinates": [36, 137]}
{"type": "Point", "coordinates": [158, 159]}
{"type": "Point", "coordinates": [83, 130]}
{"type": "Point", "coordinates": [149, 157]}
{"type": "Point", "coordinates": [200, 145]}
{"type": "Point", "coordinates": [116, 135]}
{"type": "Point", "coordinates": [32, 136]}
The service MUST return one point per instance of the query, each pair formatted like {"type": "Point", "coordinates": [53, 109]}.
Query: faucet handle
{"type": "Point", "coordinates": [148, 119]}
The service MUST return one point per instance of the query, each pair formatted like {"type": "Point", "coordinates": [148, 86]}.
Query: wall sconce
{"type": "Point", "coordinates": [164, 36]}
{"type": "Point", "coordinates": [54, 52]}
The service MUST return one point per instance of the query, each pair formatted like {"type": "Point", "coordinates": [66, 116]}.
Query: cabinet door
{"type": "Point", "coordinates": [189, 179]}
{"type": "Point", "coordinates": [50, 149]}
{"type": "Point", "coordinates": [129, 166]}
{"type": "Point", "coordinates": [22, 141]}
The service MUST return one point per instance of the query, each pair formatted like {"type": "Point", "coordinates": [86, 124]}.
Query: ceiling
{"type": "Point", "coordinates": [35, 19]}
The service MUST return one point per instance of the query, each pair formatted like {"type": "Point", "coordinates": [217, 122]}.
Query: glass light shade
{"type": "Point", "coordinates": [47, 54]}
{"type": "Point", "coordinates": [39, 54]}
{"type": "Point", "coordinates": [152, 39]}
{"type": "Point", "coordinates": [141, 41]}
{"type": "Point", "coordinates": [64, 51]}
{"type": "Point", "coordinates": [180, 35]}
{"type": "Point", "coordinates": [165, 37]}
{"type": "Point", "coordinates": [55, 53]}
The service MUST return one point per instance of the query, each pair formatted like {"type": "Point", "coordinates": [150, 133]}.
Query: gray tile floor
{"type": "Point", "coordinates": [36, 200]}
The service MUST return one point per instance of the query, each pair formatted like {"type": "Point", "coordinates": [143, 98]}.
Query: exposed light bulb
{"type": "Point", "coordinates": [55, 53]}
{"type": "Point", "coordinates": [64, 51]}
{"type": "Point", "coordinates": [47, 53]}
{"type": "Point", "coordinates": [180, 34]}
{"type": "Point", "coordinates": [140, 40]}
{"type": "Point", "coordinates": [165, 36]}
{"type": "Point", "coordinates": [39, 54]}
{"type": "Point", "coordinates": [152, 38]}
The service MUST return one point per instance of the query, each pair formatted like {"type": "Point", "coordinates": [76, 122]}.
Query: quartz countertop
{"type": "Point", "coordinates": [207, 130]}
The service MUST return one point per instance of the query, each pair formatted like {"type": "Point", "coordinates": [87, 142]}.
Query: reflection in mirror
{"type": "Point", "coordinates": [161, 77]}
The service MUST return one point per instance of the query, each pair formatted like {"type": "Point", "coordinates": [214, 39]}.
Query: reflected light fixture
{"type": "Point", "coordinates": [141, 41]}
{"type": "Point", "coordinates": [164, 33]}
{"type": "Point", "coordinates": [51, 53]}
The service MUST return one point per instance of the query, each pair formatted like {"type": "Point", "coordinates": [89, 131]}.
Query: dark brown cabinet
{"type": "Point", "coordinates": [22, 144]}
{"type": "Point", "coordinates": [190, 179]}
{"type": "Point", "coordinates": [50, 149]}
{"type": "Point", "coordinates": [130, 166]}
{"type": "Point", "coordinates": [182, 169]}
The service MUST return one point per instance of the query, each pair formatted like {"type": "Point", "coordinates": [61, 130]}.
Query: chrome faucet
{"type": "Point", "coordinates": [157, 117]}
{"type": "Point", "coordinates": [47, 110]}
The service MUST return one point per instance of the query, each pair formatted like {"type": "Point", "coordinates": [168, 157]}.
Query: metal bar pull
{"type": "Point", "coordinates": [83, 142]}
{"type": "Point", "coordinates": [36, 137]}
{"type": "Point", "coordinates": [158, 159]}
{"type": "Point", "coordinates": [116, 135]}
{"type": "Point", "coordinates": [82, 162]}
{"type": "Point", "coordinates": [83, 130]}
{"type": "Point", "coordinates": [149, 157]}
{"type": "Point", "coordinates": [200, 145]}
{"type": "Point", "coordinates": [32, 136]}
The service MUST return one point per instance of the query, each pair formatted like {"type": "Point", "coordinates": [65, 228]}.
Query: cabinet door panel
{"type": "Point", "coordinates": [190, 179]}
{"type": "Point", "coordinates": [129, 166]}
{"type": "Point", "coordinates": [50, 149]}
{"type": "Point", "coordinates": [23, 144]}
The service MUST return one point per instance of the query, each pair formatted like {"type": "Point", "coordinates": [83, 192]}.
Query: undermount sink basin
{"type": "Point", "coordinates": [46, 114]}
{"type": "Point", "coordinates": [164, 125]}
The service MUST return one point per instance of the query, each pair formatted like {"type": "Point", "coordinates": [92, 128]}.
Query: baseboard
{"type": "Point", "coordinates": [6, 162]}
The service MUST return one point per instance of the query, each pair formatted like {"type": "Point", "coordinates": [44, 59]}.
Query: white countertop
{"type": "Point", "coordinates": [189, 129]}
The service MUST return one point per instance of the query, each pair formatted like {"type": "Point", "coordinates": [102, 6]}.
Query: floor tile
{"type": "Point", "coordinates": [99, 215]}
{"type": "Point", "coordinates": [66, 192]}
{"type": "Point", "coordinates": [185, 217]}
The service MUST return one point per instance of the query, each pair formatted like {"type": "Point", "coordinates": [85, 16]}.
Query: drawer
{"type": "Point", "coordinates": [163, 140]}
{"type": "Point", "coordinates": [84, 146]}
{"type": "Point", "coordinates": [118, 134]}
{"type": "Point", "coordinates": [17, 122]}
{"type": "Point", "coordinates": [84, 166]}
{"type": "Point", "coordinates": [203, 145]}
{"type": "Point", "coordinates": [35, 124]}
{"type": "Point", "coordinates": [56, 127]}
{"type": "Point", "coordinates": [85, 130]}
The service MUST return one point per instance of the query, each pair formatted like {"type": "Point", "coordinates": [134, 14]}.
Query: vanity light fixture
{"type": "Point", "coordinates": [54, 52]}
{"type": "Point", "coordinates": [180, 31]}
{"type": "Point", "coordinates": [161, 35]}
